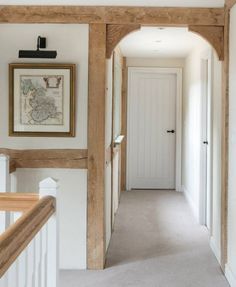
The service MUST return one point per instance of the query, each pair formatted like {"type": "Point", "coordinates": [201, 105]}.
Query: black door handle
{"type": "Point", "coordinates": [206, 142]}
{"type": "Point", "coordinates": [171, 131]}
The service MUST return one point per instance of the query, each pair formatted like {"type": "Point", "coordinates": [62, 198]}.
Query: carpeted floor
{"type": "Point", "coordinates": [156, 243]}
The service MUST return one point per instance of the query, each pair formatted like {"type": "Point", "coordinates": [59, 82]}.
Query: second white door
{"type": "Point", "coordinates": [151, 129]}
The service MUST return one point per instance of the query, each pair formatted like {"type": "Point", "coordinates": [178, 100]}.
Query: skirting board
{"type": "Point", "coordinates": [230, 276]}
{"type": "Point", "coordinates": [191, 203]}
{"type": "Point", "coordinates": [214, 248]}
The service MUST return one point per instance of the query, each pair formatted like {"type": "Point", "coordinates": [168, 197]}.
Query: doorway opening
{"type": "Point", "coordinates": [165, 113]}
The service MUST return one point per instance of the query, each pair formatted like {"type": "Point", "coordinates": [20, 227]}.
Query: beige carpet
{"type": "Point", "coordinates": [156, 243]}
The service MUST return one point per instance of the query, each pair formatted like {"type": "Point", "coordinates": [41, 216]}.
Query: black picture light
{"type": "Point", "coordinates": [41, 44]}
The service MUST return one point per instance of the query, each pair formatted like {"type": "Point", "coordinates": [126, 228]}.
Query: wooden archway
{"type": "Point", "coordinates": [213, 34]}
{"type": "Point", "coordinates": [211, 23]}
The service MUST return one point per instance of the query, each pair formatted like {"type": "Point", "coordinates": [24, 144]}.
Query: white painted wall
{"type": "Point", "coordinates": [216, 156]}
{"type": "Point", "coordinates": [192, 138]}
{"type": "Point", "coordinates": [231, 265]}
{"type": "Point", "coordinates": [72, 202]}
{"type": "Point", "coordinates": [156, 62]}
{"type": "Point", "coordinates": [192, 127]}
{"type": "Point", "coordinates": [71, 43]}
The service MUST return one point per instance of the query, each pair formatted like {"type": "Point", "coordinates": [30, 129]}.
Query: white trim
{"type": "Point", "coordinates": [179, 81]}
{"type": "Point", "coordinates": [215, 249]}
{"type": "Point", "coordinates": [230, 276]}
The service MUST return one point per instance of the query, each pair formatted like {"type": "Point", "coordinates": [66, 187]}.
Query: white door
{"type": "Point", "coordinates": [151, 129]}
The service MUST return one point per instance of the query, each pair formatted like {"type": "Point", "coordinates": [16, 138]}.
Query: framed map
{"type": "Point", "coordinates": [42, 100]}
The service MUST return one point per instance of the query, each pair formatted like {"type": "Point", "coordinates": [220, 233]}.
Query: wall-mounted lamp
{"type": "Point", "coordinates": [41, 44]}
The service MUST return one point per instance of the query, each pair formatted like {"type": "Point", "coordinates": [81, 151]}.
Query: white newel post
{"type": "Point", "coordinates": [4, 173]}
{"type": "Point", "coordinates": [4, 187]}
{"type": "Point", "coordinates": [50, 187]}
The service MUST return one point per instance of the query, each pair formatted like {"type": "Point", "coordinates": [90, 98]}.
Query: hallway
{"type": "Point", "coordinates": [156, 243]}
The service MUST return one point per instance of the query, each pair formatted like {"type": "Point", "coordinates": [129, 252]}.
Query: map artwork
{"type": "Point", "coordinates": [41, 100]}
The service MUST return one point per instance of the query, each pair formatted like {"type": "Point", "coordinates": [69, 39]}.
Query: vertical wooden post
{"type": "Point", "coordinates": [50, 187]}
{"type": "Point", "coordinates": [225, 142]}
{"type": "Point", "coordinates": [124, 125]}
{"type": "Point", "coordinates": [96, 147]}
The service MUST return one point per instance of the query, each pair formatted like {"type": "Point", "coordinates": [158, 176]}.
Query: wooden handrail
{"type": "Point", "coordinates": [17, 201]}
{"type": "Point", "coordinates": [12, 166]}
{"type": "Point", "coordinates": [15, 239]}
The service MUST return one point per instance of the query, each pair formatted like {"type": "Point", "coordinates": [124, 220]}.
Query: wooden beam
{"type": "Point", "coordinates": [14, 240]}
{"type": "Point", "coordinates": [230, 3]}
{"type": "Point", "coordinates": [48, 158]}
{"type": "Point", "coordinates": [124, 125]}
{"type": "Point", "coordinates": [214, 35]}
{"type": "Point", "coordinates": [174, 16]}
{"type": "Point", "coordinates": [115, 33]}
{"type": "Point", "coordinates": [96, 147]}
{"type": "Point", "coordinates": [225, 143]}
{"type": "Point", "coordinates": [21, 202]}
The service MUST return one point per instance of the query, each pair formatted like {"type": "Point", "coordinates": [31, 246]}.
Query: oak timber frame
{"type": "Point", "coordinates": [108, 25]}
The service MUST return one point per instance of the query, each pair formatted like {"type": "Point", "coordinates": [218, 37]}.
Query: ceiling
{"type": "Point", "coordinates": [159, 42]}
{"type": "Point", "coordinates": [167, 3]}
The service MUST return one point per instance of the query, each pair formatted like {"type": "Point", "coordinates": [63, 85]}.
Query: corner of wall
{"type": "Point", "coordinates": [191, 203]}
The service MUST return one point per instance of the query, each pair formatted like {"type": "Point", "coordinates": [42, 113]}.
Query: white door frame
{"type": "Point", "coordinates": [178, 73]}
{"type": "Point", "coordinates": [205, 207]}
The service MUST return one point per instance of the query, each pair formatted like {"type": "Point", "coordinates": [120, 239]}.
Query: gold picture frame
{"type": "Point", "coordinates": [42, 100]}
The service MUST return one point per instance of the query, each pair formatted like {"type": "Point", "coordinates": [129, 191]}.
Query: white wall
{"type": "Point", "coordinates": [71, 43]}
{"type": "Point", "coordinates": [192, 141]}
{"type": "Point", "coordinates": [72, 200]}
{"type": "Point", "coordinates": [156, 62]}
{"type": "Point", "coordinates": [231, 265]}
{"type": "Point", "coordinates": [216, 156]}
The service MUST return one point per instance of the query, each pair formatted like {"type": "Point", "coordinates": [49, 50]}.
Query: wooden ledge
{"type": "Point", "coordinates": [47, 158]}
{"type": "Point", "coordinates": [17, 201]}
{"type": "Point", "coordinates": [15, 239]}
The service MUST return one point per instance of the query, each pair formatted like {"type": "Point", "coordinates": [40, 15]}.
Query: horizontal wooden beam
{"type": "Point", "coordinates": [17, 201]}
{"type": "Point", "coordinates": [14, 240]}
{"type": "Point", "coordinates": [48, 158]}
{"type": "Point", "coordinates": [112, 15]}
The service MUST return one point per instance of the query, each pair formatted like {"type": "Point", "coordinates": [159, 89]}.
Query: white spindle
{"type": "Point", "coordinates": [50, 187]}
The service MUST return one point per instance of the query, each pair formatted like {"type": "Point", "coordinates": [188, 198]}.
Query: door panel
{"type": "Point", "coordinates": [152, 111]}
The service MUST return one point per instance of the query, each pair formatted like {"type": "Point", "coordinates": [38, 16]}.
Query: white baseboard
{"type": "Point", "coordinates": [191, 203]}
{"type": "Point", "coordinates": [215, 249]}
{"type": "Point", "coordinates": [230, 276]}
